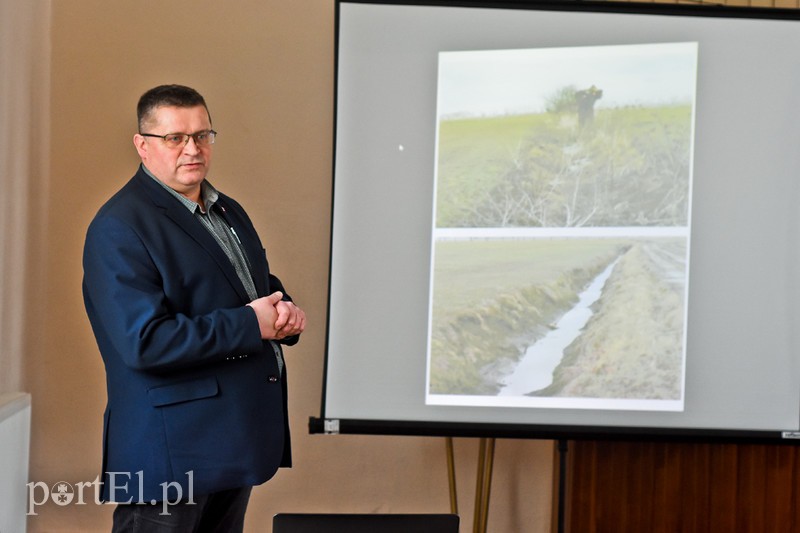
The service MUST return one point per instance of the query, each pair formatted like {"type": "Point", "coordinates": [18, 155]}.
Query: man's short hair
{"type": "Point", "coordinates": [167, 95]}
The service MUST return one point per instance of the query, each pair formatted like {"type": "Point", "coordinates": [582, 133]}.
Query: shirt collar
{"type": "Point", "coordinates": [208, 194]}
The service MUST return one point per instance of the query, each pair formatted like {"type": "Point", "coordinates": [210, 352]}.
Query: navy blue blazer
{"type": "Point", "coordinates": [196, 402]}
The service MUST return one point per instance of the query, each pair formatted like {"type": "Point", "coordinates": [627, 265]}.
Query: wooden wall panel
{"type": "Point", "coordinates": [682, 487]}
{"type": "Point", "coordinates": [787, 4]}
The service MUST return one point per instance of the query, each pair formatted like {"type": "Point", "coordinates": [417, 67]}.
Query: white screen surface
{"type": "Point", "coordinates": [740, 370]}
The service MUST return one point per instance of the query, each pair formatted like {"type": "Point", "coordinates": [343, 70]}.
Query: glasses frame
{"type": "Point", "coordinates": [186, 137]}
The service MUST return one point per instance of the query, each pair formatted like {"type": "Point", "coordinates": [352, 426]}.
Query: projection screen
{"type": "Point", "coordinates": [564, 219]}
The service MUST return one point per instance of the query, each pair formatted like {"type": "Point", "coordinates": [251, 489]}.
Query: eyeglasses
{"type": "Point", "coordinates": [174, 140]}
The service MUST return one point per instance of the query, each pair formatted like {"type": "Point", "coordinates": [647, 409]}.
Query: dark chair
{"type": "Point", "coordinates": [364, 523]}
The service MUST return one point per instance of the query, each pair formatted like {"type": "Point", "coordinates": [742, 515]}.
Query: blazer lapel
{"type": "Point", "coordinates": [187, 222]}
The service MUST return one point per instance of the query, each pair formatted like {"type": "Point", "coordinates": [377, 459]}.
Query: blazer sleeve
{"type": "Point", "coordinates": [132, 316]}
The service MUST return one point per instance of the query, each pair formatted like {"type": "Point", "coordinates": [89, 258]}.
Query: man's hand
{"type": "Point", "coordinates": [267, 314]}
{"type": "Point", "coordinates": [278, 319]}
{"type": "Point", "coordinates": [291, 320]}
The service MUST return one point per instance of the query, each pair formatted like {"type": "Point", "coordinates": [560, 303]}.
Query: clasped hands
{"type": "Point", "coordinates": [278, 319]}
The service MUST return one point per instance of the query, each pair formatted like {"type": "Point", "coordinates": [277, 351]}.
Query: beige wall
{"type": "Point", "coordinates": [266, 70]}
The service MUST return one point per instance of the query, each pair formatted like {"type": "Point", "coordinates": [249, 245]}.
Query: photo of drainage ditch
{"type": "Point", "coordinates": [561, 243]}
{"type": "Point", "coordinates": [587, 318]}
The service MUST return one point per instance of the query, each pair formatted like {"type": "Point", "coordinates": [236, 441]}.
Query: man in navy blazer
{"type": "Point", "coordinates": [189, 322]}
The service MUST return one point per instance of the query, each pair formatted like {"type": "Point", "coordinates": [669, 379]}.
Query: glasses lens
{"type": "Point", "coordinates": [204, 138]}
{"type": "Point", "coordinates": [173, 140]}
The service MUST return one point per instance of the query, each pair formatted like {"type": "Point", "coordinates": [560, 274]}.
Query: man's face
{"type": "Point", "coordinates": [183, 168]}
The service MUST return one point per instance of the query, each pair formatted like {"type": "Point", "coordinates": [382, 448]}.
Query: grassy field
{"type": "Point", "coordinates": [493, 298]}
{"type": "Point", "coordinates": [472, 154]}
{"type": "Point", "coordinates": [630, 168]}
{"type": "Point", "coordinates": [488, 268]}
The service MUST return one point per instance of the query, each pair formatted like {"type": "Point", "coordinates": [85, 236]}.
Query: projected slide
{"type": "Point", "coordinates": [561, 227]}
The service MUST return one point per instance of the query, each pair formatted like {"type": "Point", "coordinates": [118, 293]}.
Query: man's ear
{"type": "Point", "coordinates": [141, 146]}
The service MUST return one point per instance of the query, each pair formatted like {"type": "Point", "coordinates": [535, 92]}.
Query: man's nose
{"type": "Point", "coordinates": [191, 146]}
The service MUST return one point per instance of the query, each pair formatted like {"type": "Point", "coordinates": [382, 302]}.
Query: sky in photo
{"type": "Point", "coordinates": [498, 82]}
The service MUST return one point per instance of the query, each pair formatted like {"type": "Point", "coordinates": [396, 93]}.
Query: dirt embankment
{"type": "Point", "coordinates": [632, 348]}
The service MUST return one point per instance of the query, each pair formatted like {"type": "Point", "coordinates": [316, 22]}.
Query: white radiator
{"type": "Point", "coordinates": [15, 429]}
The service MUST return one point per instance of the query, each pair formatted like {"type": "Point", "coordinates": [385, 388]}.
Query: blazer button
{"type": "Point", "coordinates": [272, 379]}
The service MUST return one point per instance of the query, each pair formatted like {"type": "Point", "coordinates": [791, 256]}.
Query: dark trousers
{"type": "Point", "coordinates": [218, 512]}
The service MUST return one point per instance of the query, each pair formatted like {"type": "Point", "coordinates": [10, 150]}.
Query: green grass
{"type": "Point", "coordinates": [472, 152]}
{"type": "Point", "coordinates": [470, 274]}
